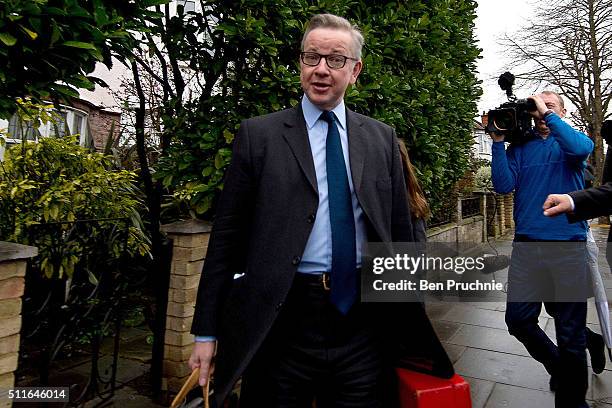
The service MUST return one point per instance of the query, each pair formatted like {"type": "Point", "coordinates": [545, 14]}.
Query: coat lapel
{"type": "Point", "coordinates": [357, 140]}
{"type": "Point", "coordinates": [296, 136]}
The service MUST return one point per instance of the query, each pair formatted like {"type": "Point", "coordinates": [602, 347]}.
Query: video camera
{"type": "Point", "coordinates": [511, 119]}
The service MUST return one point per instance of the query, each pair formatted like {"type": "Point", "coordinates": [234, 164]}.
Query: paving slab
{"type": "Point", "coordinates": [127, 370]}
{"type": "Point", "coordinates": [509, 396]}
{"type": "Point", "coordinates": [474, 316]}
{"type": "Point", "coordinates": [454, 352]}
{"type": "Point", "coordinates": [503, 368]}
{"type": "Point", "coordinates": [445, 329]}
{"type": "Point", "coordinates": [488, 338]}
{"type": "Point", "coordinates": [601, 386]}
{"type": "Point", "coordinates": [437, 310]}
{"type": "Point", "coordinates": [125, 397]}
{"type": "Point", "coordinates": [479, 390]}
{"type": "Point", "coordinates": [498, 306]}
{"type": "Point", "coordinates": [480, 317]}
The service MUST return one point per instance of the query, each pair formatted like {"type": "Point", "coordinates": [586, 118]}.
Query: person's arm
{"type": "Point", "coordinates": [592, 202]}
{"type": "Point", "coordinates": [575, 144]}
{"type": "Point", "coordinates": [581, 205]}
{"type": "Point", "coordinates": [504, 168]}
{"type": "Point", "coordinates": [226, 251]}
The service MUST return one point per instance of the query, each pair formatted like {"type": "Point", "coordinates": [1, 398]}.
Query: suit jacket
{"type": "Point", "coordinates": [592, 202]}
{"type": "Point", "coordinates": [264, 217]}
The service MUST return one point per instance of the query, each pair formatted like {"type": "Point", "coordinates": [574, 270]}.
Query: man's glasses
{"type": "Point", "coordinates": [334, 61]}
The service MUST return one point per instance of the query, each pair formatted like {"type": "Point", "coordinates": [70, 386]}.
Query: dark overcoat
{"type": "Point", "coordinates": [263, 220]}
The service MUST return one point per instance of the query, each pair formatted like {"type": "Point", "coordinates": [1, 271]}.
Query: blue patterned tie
{"type": "Point", "coordinates": [343, 271]}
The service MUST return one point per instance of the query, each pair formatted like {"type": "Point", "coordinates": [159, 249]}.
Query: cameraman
{"type": "Point", "coordinates": [551, 160]}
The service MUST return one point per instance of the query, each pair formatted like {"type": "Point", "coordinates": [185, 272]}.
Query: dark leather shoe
{"type": "Point", "coordinates": [552, 383]}
{"type": "Point", "coordinates": [596, 347]}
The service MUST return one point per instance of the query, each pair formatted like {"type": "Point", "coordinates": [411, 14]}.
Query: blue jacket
{"type": "Point", "coordinates": [538, 168]}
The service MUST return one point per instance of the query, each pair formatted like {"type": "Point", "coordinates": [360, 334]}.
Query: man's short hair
{"type": "Point", "coordinates": [336, 23]}
{"type": "Point", "coordinates": [559, 97]}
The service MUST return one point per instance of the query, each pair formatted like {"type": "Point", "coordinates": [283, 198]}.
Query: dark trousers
{"type": "Point", "coordinates": [536, 273]}
{"type": "Point", "coordinates": [313, 353]}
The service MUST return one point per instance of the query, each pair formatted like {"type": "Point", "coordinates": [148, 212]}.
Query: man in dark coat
{"type": "Point", "coordinates": [581, 205]}
{"type": "Point", "coordinates": [306, 188]}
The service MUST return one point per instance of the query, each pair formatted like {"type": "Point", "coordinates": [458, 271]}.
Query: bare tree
{"type": "Point", "coordinates": [127, 97]}
{"type": "Point", "coordinates": [568, 44]}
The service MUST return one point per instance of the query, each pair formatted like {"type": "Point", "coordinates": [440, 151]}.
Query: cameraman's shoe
{"type": "Point", "coordinates": [596, 347]}
{"type": "Point", "coordinates": [552, 384]}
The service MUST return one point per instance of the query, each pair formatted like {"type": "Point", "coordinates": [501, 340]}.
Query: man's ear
{"type": "Point", "coordinates": [356, 70]}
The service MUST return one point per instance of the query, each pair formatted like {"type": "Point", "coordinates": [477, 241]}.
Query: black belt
{"type": "Point", "coordinates": [317, 280]}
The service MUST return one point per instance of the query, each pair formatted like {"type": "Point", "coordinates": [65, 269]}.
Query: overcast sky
{"type": "Point", "coordinates": [495, 17]}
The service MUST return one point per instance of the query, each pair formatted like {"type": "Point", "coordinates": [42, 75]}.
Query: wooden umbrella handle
{"type": "Point", "coordinates": [191, 382]}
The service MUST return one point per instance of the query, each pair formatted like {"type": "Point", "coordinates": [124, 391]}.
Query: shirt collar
{"type": "Point", "coordinates": [312, 113]}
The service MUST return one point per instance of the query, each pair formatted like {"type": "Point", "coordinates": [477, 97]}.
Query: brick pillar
{"type": "Point", "coordinates": [508, 207]}
{"type": "Point", "coordinates": [189, 245]}
{"type": "Point", "coordinates": [13, 262]}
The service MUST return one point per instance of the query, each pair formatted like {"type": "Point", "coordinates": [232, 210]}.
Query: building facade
{"type": "Point", "coordinates": [91, 123]}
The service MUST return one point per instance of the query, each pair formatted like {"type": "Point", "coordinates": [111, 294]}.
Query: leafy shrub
{"type": "Point", "coordinates": [43, 43]}
{"type": "Point", "coordinates": [55, 181]}
{"type": "Point", "coordinates": [419, 64]}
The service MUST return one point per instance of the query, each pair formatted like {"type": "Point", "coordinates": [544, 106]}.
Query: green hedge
{"type": "Point", "coordinates": [58, 181]}
{"type": "Point", "coordinates": [419, 76]}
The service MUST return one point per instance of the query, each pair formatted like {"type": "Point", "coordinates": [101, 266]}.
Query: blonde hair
{"type": "Point", "coordinates": [336, 23]}
{"type": "Point", "coordinates": [559, 97]}
{"type": "Point", "coordinates": [416, 198]}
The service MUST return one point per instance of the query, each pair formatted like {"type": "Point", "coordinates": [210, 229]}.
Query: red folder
{"type": "Point", "coordinates": [418, 390]}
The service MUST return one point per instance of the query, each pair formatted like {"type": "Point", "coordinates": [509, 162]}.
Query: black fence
{"type": "Point", "coordinates": [74, 298]}
{"type": "Point", "coordinates": [470, 207]}
{"type": "Point", "coordinates": [448, 213]}
{"type": "Point", "coordinates": [442, 216]}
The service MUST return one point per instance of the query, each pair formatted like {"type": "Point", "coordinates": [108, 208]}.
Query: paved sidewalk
{"type": "Point", "coordinates": [500, 371]}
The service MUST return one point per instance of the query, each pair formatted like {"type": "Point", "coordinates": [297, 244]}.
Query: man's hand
{"type": "Point", "coordinates": [556, 204]}
{"type": "Point", "coordinates": [201, 357]}
{"type": "Point", "coordinates": [496, 137]}
{"type": "Point", "coordinates": [541, 107]}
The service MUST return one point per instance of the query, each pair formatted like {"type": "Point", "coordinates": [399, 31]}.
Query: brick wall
{"type": "Point", "coordinates": [100, 122]}
{"type": "Point", "coordinates": [13, 262]}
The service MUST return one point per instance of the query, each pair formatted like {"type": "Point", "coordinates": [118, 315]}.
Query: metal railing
{"type": "Point", "coordinates": [70, 315]}
{"type": "Point", "coordinates": [470, 207]}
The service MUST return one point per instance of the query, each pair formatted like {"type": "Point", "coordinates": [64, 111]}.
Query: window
{"type": "Point", "coordinates": [188, 5]}
{"type": "Point", "coordinates": [77, 124]}
{"type": "Point", "coordinates": [59, 129]}
{"type": "Point", "coordinates": [19, 130]}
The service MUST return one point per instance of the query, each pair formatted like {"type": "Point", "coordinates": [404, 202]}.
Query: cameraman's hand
{"type": "Point", "coordinates": [201, 357]}
{"type": "Point", "coordinates": [540, 105]}
{"type": "Point", "coordinates": [496, 137]}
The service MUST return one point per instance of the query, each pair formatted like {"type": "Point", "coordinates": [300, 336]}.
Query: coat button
{"type": "Point", "coordinates": [296, 260]}
{"type": "Point", "coordinates": [311, 218]}
{"type": "Point", "coordinates": [279, 306]}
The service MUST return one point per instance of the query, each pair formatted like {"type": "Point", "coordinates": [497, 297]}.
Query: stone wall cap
{"type": "Point", "coordinates": [11, 251]}
{"type": "Point", "coordinates": [187, 227]}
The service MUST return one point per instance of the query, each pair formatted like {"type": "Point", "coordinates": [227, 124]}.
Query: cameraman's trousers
{"type": "Point", "coordinates": [537, 271]}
